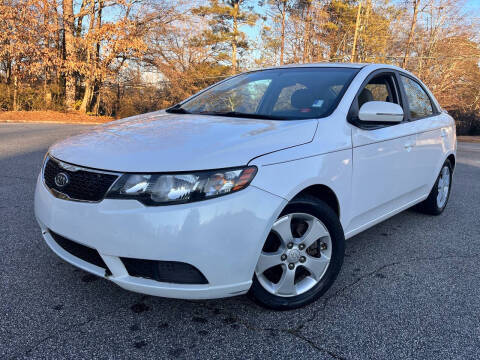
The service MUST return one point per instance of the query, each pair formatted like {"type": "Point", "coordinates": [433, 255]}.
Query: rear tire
{"type": "Point", "coordinates": [437, 200]}
{"type": "Point", "coordinates": [311, 250]}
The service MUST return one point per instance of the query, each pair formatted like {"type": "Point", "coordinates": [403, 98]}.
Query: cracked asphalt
{"type": "Point", "coordinates": [409, 288]}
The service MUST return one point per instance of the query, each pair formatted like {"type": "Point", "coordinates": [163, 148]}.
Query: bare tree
{"type": "Point", "coordinates": [357, 27]}
{"type": "Point", "coordinates": [69, 53]}
{"type": "Point", "coordinates": [415, 4]}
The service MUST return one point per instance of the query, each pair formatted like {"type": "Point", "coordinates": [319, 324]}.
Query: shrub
{"type": "Point", "coordinates": [468, 122]}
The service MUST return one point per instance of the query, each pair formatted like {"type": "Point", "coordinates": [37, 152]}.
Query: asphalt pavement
{"type": "Point", "coordinates": [409, 288]}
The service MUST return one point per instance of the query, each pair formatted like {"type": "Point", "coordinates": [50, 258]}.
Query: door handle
{"type": "Point", "coordinates": [444, 133]}
{"type": "Point", "coordinates": [409, 145]}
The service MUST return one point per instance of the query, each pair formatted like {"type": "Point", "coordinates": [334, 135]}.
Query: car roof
{"type": "Point", "coordinates": [321, 64]}
{"type": "Point", "coordinates": [372, 66]}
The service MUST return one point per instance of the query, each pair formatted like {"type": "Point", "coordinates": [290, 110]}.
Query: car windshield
{"type": "Point", "coordinates": [284, 94]}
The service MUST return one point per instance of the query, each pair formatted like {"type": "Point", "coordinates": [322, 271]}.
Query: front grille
{"type": "Point", "coordinates": [83, 184]}
{"type": "Point", "coordinates": [80, 251]}
{"type": "Point", "coordinates": [164, 271]}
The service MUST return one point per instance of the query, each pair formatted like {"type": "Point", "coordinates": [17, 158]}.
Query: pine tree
{"type": "Point", "coordinates": [279, 10]}
{"type": "Point", "coordinates": [225, 19]}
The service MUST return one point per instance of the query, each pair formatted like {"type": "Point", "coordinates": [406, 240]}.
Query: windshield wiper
{"type": "Point", "coordinates": [177, 109]}
{"type": "Point", "coordinates": [244, 115]}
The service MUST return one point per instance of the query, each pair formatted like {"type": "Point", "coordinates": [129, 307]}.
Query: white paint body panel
{"type": "Point", "coordinates": [373, 173]}
{"type": "Point", "coordinates": [221, 237]}
{"type": "Point", "coordinates": [172, 142]}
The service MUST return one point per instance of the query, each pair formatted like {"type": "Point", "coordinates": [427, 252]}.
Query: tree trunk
{"type": "Point", "coordinates": [69, 28]}
{"type": "Point", "coordinates": [117, 101]}
{"type": "Point", "coordinates": [357, 26]}
{"type": "Point", "coordinates": [416, 3]}
{"type": "Point", "coordinates": [282, 46]}
{"type": "Point", "coordinates": [46, 93]}
{"type": "Point", "coordinates": [8, 74]}
{"type": "Point", "coordinates": [15, 93]}
{"type": "Point", "coordinates": [90, 81]}
{"type": "Point", "coordinates": [87, 97]}
{"type": "Point", "coordinates": [96, 105]}
{"type": "Point", "coordinates": [58, 45]}
{"type": "Point", "coordinates": [306, 33]}
{"type": "Point", "coordinates": [235, 37]}
{"type": "Point", "coordinates": [361, 55]}
{"type": "Point", "coordinates": [78, 28]}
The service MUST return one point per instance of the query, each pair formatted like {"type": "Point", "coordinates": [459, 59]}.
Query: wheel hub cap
{"type": "Point", "coordinates": [293, 255]}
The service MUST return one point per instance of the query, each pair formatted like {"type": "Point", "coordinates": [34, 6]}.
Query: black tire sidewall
{"type": "Point", "coordinates": [324, 213]}
{"type": "Point", "coordinates": [447, 163]}
{"type": "Point", "coordinates": [430, 205]}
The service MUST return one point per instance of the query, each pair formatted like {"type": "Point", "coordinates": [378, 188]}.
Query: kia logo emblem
{"type": "Point", "coordinates": [61, 179]}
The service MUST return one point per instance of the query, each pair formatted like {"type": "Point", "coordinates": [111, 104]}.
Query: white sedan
{"type": "Point", "coordinates": [251, 185]}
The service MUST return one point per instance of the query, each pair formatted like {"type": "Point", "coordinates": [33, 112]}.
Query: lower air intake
{"type": "Point", "coordinates": [80, 251]}
{"type": "Point", "coordinates": [164, 271]}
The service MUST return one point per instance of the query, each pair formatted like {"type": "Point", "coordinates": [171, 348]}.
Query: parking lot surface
{"type": "Point", "coordinates": [409, 288]}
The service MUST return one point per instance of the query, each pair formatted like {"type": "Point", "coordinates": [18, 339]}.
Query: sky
{"type": "Point", "coordinates": [471, 7]}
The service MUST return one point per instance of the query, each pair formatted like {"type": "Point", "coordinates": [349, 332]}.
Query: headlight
{"type": "Point", "coordinates": [165, 189]}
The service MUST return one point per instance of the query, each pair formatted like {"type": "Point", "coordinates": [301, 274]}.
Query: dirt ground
{"type": "Point", "coordinates": [52, 117]}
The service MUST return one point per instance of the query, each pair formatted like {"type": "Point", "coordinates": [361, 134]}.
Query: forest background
{"type": "Point", "coordinates": [123, 57]}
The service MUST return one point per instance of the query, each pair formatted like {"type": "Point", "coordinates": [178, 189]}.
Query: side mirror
{"type": "Point", "coordinates": [381, 111]}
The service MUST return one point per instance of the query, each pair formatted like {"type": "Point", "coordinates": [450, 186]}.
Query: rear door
{"type": "Point", "coordinates": [383, 163]}
{"type": "Point", "coordinates": [432, 132]}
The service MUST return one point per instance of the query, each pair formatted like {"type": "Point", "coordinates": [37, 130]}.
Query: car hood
{"type": "Point", "coordinates": [163, 142]}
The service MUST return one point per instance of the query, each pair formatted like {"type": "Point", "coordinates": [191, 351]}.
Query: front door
{"type": "Point", "coordinates": [383, 177]}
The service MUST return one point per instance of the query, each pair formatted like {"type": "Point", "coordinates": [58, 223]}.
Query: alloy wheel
{"type": "Point", "coordinates": [443, 186]}
{"type": "Point", "coordinates": [296, 255]}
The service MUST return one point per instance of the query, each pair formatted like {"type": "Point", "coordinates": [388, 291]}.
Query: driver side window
{"type": "Point", "coordinates": [379, 88]}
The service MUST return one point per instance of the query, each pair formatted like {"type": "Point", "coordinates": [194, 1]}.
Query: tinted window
{"type": "Point", "coordinates": [245, 97]}
{"type": "Point", "coordinates": [419, 102]}
{"type": "Point", "coordinates": [284, 98]}
{"type": "Point", "coordinates": [380, 88]}
{"type": "Point", "coordinates": [296, 93]}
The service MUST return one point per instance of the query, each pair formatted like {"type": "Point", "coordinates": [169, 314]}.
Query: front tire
{"type": "Point", "coordinates": [437, 200]}
{"type": "Point", "coordinates": [302, 255]}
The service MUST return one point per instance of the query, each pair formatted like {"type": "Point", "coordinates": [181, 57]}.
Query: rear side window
{"type": "Point", "coordinates": [419, 102]}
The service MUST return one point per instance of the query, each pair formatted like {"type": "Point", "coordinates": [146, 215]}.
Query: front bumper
{"type": "Point", "coordinates": [221, 237]}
